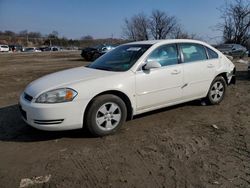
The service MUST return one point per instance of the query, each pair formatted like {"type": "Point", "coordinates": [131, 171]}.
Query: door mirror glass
{"type": "Point", "coordinates": [151, 65]}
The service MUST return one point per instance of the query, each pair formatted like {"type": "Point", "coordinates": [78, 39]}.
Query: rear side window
{"type": "Point", "coordinates": [212, 54]}
{"type": "Point", "coordinates": [193, 52]}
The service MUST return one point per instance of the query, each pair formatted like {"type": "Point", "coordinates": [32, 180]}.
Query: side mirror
{"type": "Point", "coordinates": [233, 49]}
{"type": "Point", "coordinates": [151, 65]}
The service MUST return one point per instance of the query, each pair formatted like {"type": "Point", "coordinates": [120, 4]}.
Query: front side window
{"type": "Point", "coordinates": [121, 58]}
{"type": "Point", "coordinates": [193, 52]}
{"type": "Point", "coordinates": [165, 55]}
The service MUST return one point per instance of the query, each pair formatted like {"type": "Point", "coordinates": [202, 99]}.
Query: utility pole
{"type": "Point", "coordinates": [27, 39]}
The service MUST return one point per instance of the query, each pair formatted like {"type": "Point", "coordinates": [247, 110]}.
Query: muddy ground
{"type": "Point", "coordinates": [188, 145]}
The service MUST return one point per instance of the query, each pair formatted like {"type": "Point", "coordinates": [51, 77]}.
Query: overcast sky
{"type": "Point", "coordinates": [104, 18]}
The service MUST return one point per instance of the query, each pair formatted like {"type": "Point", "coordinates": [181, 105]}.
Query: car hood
{"type": "Point", "coordinates": [64, 79]}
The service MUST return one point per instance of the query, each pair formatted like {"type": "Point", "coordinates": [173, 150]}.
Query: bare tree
{"type": "Point", "coordinates": [179, 33]}
{"type": "Point", "coordinates": [87, 37]}
{"type": "Point", "coordinates": [236, 22]}
{"type": "Point", "coordinates": [53, 34]}
{"type": "Point", "coordinates": [136, 28]}
{"type": "Point", "coordinates": [128, 30]}
{"type": "Point", "coordinates": [141, 24]}
{"type": "Point", "coordinates": [23, 33]}
{"type": "Point", "coordinates": [161, 24]}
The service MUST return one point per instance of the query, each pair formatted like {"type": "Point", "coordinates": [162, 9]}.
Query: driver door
{"type": "Point", "coordinates": [160, 86]}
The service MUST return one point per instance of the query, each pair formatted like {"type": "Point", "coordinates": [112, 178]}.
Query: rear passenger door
{"type": "Point", "coordinates": [198, 70]}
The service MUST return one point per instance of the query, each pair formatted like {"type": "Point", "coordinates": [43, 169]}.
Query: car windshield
{"type": "Point", "coordinates": [98, 46]}
{"type": "Point", "coordinates": [121, 58]}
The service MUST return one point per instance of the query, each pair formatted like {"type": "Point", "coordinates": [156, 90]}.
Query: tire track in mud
{"type": "Point", "coordinates": [183, 150]}
{"type": "Point", "coordinates": [171, 154]}
{"type": "Point", "coordinates": [230, 162]}
{"type": "Point", "coordinates": [86, 173]}
{"type": "Point", "coordinates": [130, 163]}
{"type": "Point", "coordinates": [148, 169]}
{"type": "Point", "coordinates": [242, 153]}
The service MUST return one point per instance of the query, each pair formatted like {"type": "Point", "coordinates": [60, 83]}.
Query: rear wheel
{"type": "Point", "coordinates": [217, 91]}
{"type": "Point", "coordinates": [106, 115]}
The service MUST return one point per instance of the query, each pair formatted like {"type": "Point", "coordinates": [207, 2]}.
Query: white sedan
{"type": "Point", "coordinates": [132, 79]}
{"type": "Point", "coordinates": [4, 48]}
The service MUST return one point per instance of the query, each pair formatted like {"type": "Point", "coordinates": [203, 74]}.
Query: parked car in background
{"type": "Point", "coordinates": [50, 48]}
{"type": "Point", "coordinates": [92, 53]}
{"type": "Point", "coordinates": [132, 79]}
{"type": "Point", "coordinates": [234, 50]}
{"type": "Point", "coordinates": [44, 48]}
{"type": "Point", "coordinates": [55, 48]}
{"type": "Point", "coordinates": [16, 48]}
{"type": "Point", "coordinates": [4, 48]}
{"type": "Point", "coordinates": [32, 49]}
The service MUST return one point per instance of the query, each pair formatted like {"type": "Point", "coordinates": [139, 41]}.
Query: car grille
{"type": "Point", "coordinates": [28, 97]}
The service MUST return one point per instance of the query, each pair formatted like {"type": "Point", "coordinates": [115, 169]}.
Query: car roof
{"type": "Point", "coordinates": [152, 42]}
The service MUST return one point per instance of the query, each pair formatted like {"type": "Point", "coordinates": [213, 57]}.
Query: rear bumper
{"type": "Point", "coordinates": [233, 80]}
{"type": "Point", "coordinates": [233, 77]}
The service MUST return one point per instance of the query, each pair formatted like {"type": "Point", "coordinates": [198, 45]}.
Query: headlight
{"type": "Point", "coordinates": [57, 96]}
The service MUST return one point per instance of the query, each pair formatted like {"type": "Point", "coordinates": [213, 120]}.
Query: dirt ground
{"type": "Point", "coordinates": [187, 145]}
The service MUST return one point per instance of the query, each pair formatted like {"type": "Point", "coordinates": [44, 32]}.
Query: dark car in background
{"type": "Point", "coordinates": [16, 48]}
{"type": "Point", "coordinates": [92, 53]}
{"type": "Point", "coordinates": [235, 50]}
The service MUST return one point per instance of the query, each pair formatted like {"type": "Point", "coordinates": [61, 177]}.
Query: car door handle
{"type": "Point", "coordinates": [176, 71]}
{"type": "Point", "coordinates": [210, 66]}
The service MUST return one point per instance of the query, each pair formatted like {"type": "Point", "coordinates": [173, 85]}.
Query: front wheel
{"type": "Point", "coordinates": [216, 91]}
{"type": "Point", "coordinates": [106, 115]}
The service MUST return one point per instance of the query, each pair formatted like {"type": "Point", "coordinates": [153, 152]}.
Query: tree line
{"type": "Point", "coordinates": [26, 38]}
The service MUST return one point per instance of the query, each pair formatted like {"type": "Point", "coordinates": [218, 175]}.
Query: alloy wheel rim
{"type": "Point", "coordinates": [108, 116]}
{"type": "Point", "coordinates": [217, 91]}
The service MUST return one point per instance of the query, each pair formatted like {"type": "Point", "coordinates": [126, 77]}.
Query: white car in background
{"type": "Point", "coordinates": [131, 79]}
{"type": "Point", "coordinates": [4, 48]}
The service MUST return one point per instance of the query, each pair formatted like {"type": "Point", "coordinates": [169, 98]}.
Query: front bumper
{"type": "Point", "coordinates": [53, 117]}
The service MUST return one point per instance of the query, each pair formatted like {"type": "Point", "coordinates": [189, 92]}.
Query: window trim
{"type": "Point", "coordinates": [182, 55]}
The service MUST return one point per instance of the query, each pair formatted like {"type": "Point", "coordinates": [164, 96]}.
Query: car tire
{"type": "Point", "coordinates": [105, 115]}
{"type": "Point", "coordinates": [216, 91]}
